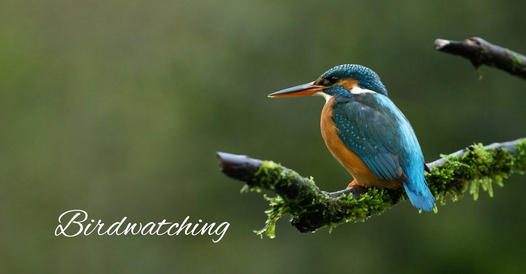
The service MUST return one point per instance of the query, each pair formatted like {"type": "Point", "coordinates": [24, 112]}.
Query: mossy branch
{"type": "Point", "coordinates": [481, 52]}
{"type": "Point", "coordinates": [311, 208]}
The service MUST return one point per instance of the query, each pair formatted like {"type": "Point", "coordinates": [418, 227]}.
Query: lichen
{"type": "Point", "coordinates": [516, 60]}
{"type": "Point", "coordinates": [310, 208]}
{"type": "Point", "coordinates": [274, 213]}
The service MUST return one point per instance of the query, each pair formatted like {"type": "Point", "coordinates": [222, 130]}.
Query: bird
{"type": "Point", "coordinates": [365, 131]}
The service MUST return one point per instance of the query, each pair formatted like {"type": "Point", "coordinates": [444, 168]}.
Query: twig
{"type": "Point", "coordinates": [481, 52]}
{"type": "Point", "coordinates": [312, 208]}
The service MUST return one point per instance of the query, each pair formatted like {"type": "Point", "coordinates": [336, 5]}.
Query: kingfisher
{"type": "Point", "coordinates": [365, 131]}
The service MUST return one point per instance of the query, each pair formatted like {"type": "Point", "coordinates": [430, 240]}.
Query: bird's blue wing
{"type": "Point", "coordinates": [377, 132]}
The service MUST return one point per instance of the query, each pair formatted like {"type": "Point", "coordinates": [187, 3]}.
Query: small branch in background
{"type": "Point", "coordinates": [311, 208]}
{"type": "Point", "coordinates": [481, 52]}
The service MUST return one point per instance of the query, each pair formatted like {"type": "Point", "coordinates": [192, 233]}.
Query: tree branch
{"type": "Point", "coordinates": [481, 52]}
{"type": "Point", "coordinates": [312, 208]}
{"type": "Point", "coordinates": [473, 167]}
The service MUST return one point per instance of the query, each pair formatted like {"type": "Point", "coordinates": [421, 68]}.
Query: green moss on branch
{"type": "Point", "coordinates": [474, 168]}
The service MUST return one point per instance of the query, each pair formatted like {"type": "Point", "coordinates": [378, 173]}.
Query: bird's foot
{"type": "Point", "coordinates": [354, 183]}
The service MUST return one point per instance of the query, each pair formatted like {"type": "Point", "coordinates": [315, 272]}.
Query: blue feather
{"type": "Point", "coordinates": [372, 127]}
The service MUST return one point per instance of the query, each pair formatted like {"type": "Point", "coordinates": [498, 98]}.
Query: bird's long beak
{"type": "Point", "coordinates": [301, 90]}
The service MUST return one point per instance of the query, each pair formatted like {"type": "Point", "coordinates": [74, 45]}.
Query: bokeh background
{"type": "Point", "coordinates": [117, 107]}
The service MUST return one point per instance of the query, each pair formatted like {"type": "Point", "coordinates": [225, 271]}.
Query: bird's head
{"type": "Point", "coordinates": [342, 80]}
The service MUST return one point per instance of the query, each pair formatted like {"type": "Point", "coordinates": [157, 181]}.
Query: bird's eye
{"type": "Point", "coordinates": [322, 82]}
{"type": "Point", "coordinates": [333, 79]}
{"type": "Point", "coordinates": [328, 81]}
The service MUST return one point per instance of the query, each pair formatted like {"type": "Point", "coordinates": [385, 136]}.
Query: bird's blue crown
{"type": "Point", "coordinates": [367, 78]}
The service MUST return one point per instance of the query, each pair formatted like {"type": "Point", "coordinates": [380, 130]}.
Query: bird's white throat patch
{"type": "Point", "coordinates": [325, 95]}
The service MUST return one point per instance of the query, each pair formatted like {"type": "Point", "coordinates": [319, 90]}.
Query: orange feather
{"type": "Point", "coordinates": [347, 158]}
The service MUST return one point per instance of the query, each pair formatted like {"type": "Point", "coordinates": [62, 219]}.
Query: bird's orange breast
{"type": "Point", "coordinates": [347, 158]}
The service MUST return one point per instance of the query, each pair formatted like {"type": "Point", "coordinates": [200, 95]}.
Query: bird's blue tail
{"type": "Point", "coordinates": [420, 196]}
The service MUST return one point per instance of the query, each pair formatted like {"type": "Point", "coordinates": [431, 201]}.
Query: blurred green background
{"type": "Point", "coordinates": [117, 107]}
